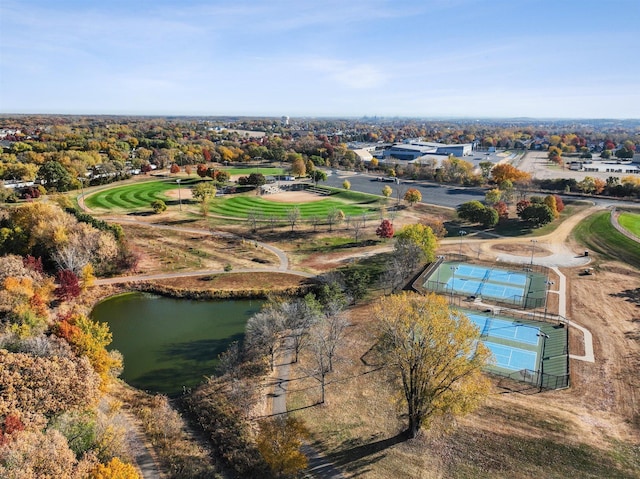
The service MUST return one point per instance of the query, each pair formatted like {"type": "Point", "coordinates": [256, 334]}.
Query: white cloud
{"type": "Point", "coordinates": [351, 75]}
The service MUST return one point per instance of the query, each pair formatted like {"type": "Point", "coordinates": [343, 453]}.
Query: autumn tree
{"type": "Point", "coordinates": [555, 155]}
{"type": "Point", "coordinates": [421, 236]}
{"type": "Point", "coordinates": [46, 385]}
{"type": "Point", "coordinates": [436, 352]}
{"type": "Point", "coordinates": [437, 226]}
{"type": "Point", "coordinates": [158, 206]}
{"type": "Point", "coordinates": [204, 192]}
{"type": "Point", "coordinates": [493, 196]}
{"type": "Point", "coordinates": [68, 285]}
{"type": "Point", "coordinates": [504, 171]}
{"type": "Point", "coordinates": [174, 168]}
{"type": "Point", "coordinates": [114, 469]}
{"type": "Point", "coordinates": [412, 196]}
{"type": "Point", "coordinates": [346, 184]}
{"type": "Point", "coordinates": [298, 167]}
{"type": "Point", "coordinates": [90, 339]}
{"type": "Point", "coordinates": [385, 230]}
{"type": "Point", "coordinates": [502, 210]}
{"type": "Point", "coordinates": [386, 191]}
{"type": "Point", "coordinates": [279, 441]}
{"type": "Point", "coordinates": [202, 170]}
{"type": "Point", "coordinates": [36, 454]}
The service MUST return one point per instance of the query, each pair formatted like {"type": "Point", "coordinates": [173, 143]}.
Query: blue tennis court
{"type": "Point", "coordinates": [501, 276]}
{"type": "Point", "coordinates": [500, 328]}
{"type": "Point", "coordinates": [469, 271]}
{"type": "Point", "coordinates": [511, 358]}
{"type": "Point", "coordinates": [493, 290]}
{"type": "Point", "coordinates": [479, 288]}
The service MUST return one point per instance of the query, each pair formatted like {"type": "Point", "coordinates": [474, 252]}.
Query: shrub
{"type": "Point", "coordinates": [158, 206]}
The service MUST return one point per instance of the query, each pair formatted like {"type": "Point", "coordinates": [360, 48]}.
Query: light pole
{"type": "Point", "coordinates": [461, 233]}
{"type": "Point", "coordinates": [533, 245]}
{"type": "Point", "coordinates": [546, 296]}
{"type": "Point", "coordinates": [179, 195]}
{"type": "Point", "coordinates": [544, 343]}
{"type": "Point", "coordinates": [453, 280]}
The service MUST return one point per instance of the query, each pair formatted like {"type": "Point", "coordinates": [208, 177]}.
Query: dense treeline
{"type": "Point", "coordinates": [54, 418]}
{"type": "Point", "coordinates": [64, 153]}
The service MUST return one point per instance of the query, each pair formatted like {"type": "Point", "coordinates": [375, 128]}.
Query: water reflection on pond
{"type": "Point", "coordinates": [169, 344]}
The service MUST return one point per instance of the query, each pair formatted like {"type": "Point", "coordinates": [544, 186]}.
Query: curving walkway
{"type": "Point", "coordinates": [615, 215]}
{"type": "Point", "coordinates": [282, 257]}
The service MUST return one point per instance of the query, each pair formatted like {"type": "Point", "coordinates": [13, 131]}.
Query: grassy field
{"type": "Point", "coordinates": [133, 196]}
{"type": "Point", "coordinates": [630, 222]}
{"type": "Point", "coordinates": [241, 206]}
{"type": "Point", "coordinates": [597, 233]}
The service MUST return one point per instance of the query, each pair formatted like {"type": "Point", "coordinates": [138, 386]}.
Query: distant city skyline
{"type": "Point", "coordinates": [427, 59]}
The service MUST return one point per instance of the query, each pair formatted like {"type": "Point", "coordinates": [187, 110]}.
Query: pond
{"type": "Point", "coordinates": [171, 344]}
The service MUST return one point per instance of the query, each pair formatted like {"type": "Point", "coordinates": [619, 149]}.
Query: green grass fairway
{"type": "Point", "coordinates": [270, 171]}
{"type": "Point", "coordinates": [131, 196]}
{"type": "Point", "coordinates": [630, 222]}
{"type": "Point", "coordinates": [240, 206]}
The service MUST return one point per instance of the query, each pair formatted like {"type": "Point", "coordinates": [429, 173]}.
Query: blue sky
{"type": "Point", "coordinates": [427, 58]}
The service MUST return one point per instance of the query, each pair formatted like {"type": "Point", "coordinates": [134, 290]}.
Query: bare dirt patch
{"type": "Point", "coordinates": [521, 249]}
{"type": "Point", "coordinates": [293, 197]}
{"type": "Point", "coordinates": [180, 193]}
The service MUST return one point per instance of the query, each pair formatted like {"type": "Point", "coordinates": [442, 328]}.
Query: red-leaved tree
{"type": "Point", "coordinates": [521, 205]}
{"type": "Point", "coordinates": [202, 170]}
{"type": "Point", "coordinates": [502, 209]}
{"type": "Point", "coordinates": [385, 230]}
{"type": "Point", "coordinates": [68, 285]}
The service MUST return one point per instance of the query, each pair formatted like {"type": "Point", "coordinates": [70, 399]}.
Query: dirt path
{"type": "Point", "coordinates": [318, 466]}
{"type": "Point", "coordinates": [141, 453]}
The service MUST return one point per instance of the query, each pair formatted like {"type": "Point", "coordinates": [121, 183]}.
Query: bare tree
{"type": "Point", "coordinates": [356, 225]}
{"type": "Point", "coordinates": [273, 222]}
{"type": "Point", "coordinates": [263, 333]}
{"type": "Point", "coordinates": [299, 316]}
{"type": "Point", "coordinates": [253, 217]}
{"type": "Point", "coordinates": [319, 367]}
{"type": "Point", "coordinates": [315, 221]}
{"type": "Point", "coordinates": [293, 216]}
{"type": "Point", "coordinates": [332, 217]}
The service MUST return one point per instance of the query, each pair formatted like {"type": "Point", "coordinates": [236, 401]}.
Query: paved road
{"type": "Point", "coordinates": [432, 193]}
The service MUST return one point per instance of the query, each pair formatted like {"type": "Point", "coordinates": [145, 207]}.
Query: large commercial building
{"type": "Point", "coordinates": [416, 149]}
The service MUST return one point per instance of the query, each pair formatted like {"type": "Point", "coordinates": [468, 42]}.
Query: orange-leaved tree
{"type": "Point", "coordinates": [89, 338]}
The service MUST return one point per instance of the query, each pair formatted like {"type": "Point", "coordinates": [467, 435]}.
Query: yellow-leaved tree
{"type": "Point", "coordinates": [115, 469]}
{"type": "Point", "coordinates": [279, 442]}
{"type": "Point", "coordinates": [435, 352]}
